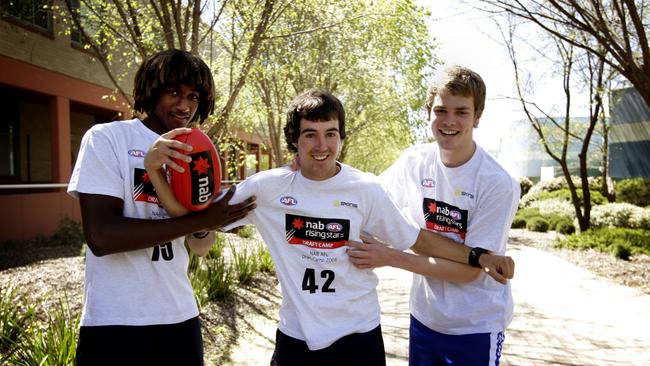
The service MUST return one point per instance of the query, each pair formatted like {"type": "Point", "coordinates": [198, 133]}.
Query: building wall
{"type": "Point", "coordinates": [629, 135]}
{"type": "Point", "coordinates": [53, 52]}
{"type": "Point", "coordinates": [56, 92]}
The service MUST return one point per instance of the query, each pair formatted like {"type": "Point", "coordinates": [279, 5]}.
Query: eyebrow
{"type": "Point", "coordinates": [335, 129]}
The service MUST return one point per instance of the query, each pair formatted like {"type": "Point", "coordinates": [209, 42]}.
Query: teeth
{"type": "Point", "coordinates": [446, 132]}
{"type": "Point", "coordinates": [319, 157]}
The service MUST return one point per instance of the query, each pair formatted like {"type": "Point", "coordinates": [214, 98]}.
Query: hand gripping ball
{"type": "Point", "coordinates": [201, 180]}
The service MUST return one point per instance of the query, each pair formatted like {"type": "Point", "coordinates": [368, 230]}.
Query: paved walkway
{"type": "Point", "coordinates": [564, 315]}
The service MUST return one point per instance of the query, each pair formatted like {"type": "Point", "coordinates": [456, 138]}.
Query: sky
{"type": "Point", "coordinates": [470, 38]}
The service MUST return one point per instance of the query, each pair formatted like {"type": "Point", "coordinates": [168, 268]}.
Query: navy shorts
{"type": "Point", "coordinates": [430, 348]}
{"type": "Point", "coordinates": [164, 344]}
{"type": "Point", "coordinates": [356, 349]}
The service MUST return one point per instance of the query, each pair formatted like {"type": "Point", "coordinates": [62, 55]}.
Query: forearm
{"type": "Point", "coordinates": [199, 244]}
{"type": "Point", "coordinates": [114, 234]}
{"type": "Point", "coordinates": [435, 267]}
{"type": "Point", "coordinates": [165, 194]}
{"type": "Point", "coordinates": [429, 244]}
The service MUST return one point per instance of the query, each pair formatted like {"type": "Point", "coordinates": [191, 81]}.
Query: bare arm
{"type": "Point", "coordinates": [499, 267]}
{"type": "Point", "coordinates": [108, 232]}
{"type": "Point", "coordinates": [374, 254]}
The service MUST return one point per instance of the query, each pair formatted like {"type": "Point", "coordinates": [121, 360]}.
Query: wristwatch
{"type": "Point", "coordinates": [474, 255]}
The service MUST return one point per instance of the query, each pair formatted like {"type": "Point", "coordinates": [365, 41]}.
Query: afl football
{"type": "Point", "coordinates": [197, 186]}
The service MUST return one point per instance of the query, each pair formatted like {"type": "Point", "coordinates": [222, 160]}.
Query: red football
{"type": "Point", "coordinates": [201, 180]}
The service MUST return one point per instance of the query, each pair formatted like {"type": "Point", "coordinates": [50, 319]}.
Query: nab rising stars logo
{"type": "Point", "coordinates": [288, 201]}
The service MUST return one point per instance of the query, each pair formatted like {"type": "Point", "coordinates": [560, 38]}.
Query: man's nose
{"type": "Point", "coordinates": [183, 104]}
{"type": "Point", "coordinates": [321, 142]}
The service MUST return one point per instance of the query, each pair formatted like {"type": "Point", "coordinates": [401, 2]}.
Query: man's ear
{"type": "Point", "coordinates": [477, 119]}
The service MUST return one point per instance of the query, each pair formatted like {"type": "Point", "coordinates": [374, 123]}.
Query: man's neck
{"type": "Point", "coordinates": [457, 157]}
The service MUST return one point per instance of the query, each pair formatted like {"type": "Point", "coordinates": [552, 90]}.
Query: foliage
{"type": "Point", "coordinates": [374, 55]}
{"type": "Point", "coordinates": [619, 241]}
{"type": "Point", "coordinates": [518, 223]}
{"type": "Point", "coordinates": [15, 316]}
{"type": "Point", "coordinates": [525, 184]}
{"type": "Point", "coordinates": [245, 263]}
{"type": "Point", "coordinates": [211, 276]}
{"type": "Point", "coordinates": [565, 227]}
{"type": "Point", "coordinates": [53, 343]}
{"type": "Point", "coordinates": [562, 194]}
{"type": "Point", "coordinates": [612, 30]}
{"type": "Point", "coordinates": [623, 215]}
{"type": "Point", "coordinates": [635, 191]}
{"type": "Point", "coordinates": [69, 232]}
{"type": "Point", "coordinates": [538, 224]}
{"type": "Point", "coordinates": [264, 259]}
{"type": "Point", "coordinates": [555, 206]}
{"type": "Point", "coordinates": [246, 231]}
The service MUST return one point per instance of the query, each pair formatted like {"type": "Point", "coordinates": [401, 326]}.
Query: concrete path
{"type": "Point", "coordinates": [564, 315]}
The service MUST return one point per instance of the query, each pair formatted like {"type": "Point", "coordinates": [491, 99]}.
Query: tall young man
{"type": "Point", "coordinates": [454, 188]}
{"type": "Point", "coordinates": [330, 311]}
{"type": "Point", "coordinates": [139, 308]}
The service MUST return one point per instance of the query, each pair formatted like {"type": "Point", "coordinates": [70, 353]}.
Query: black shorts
{"type": "Point", "coordinates": [165, 344]}
{"type": "Point", "coordinates": [356, 349]}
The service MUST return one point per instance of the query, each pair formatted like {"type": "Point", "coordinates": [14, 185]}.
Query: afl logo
{"type": "Point", "coordinates": [334, 227]}
{"type": "Point", "coordinates": [454, 214]}
{"type": "Point", "coordinates": [137, 153]}
{"type": "Point", "coordinates": [288, 201]}
{"type": "Point", "coordinates": [427, 182]}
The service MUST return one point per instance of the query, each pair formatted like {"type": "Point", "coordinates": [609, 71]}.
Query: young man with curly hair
{"type": "Point", "coordinates": [139, 307]}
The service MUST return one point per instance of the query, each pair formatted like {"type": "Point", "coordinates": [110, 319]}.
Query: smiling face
{"type": "Point", "coordinates": [318, 146]}
{"type": "Point", "coordinates": [175, 107]}
{"type": "Point", "coordinates": [453, 119]}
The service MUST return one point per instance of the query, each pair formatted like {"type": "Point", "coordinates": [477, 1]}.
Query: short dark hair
{"type": "Point", "coordinates": [459, 81]}
{"type": "Point", "coordinates": [314, 105]}
{"type": "Point", "coordinates": [173, 67]}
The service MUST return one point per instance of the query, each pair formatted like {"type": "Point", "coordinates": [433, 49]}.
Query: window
{"type": "Point", "coordinates": [34, 13]}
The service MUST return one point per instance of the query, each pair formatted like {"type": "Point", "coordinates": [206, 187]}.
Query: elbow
{"type": "Point", "coordinates": [97, 244]}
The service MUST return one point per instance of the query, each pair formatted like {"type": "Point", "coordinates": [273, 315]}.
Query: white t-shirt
{"type": "Point", "coordinates": [140, 287]}
{"type": "Point", "coordinates": [473, 204]}
{"type": "Point", "coordinates": [305, 224]}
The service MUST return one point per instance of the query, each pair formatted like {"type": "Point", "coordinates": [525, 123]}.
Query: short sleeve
{"type": "Point", "coordinates": [388, 223]}
{"type": "Point", "coordinates": [97, 170]}
{"type": "Point", "coordinates": [244, 190]}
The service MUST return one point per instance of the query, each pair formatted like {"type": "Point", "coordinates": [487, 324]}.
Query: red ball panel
{"type": "Point", "coordinates": [198, 185]}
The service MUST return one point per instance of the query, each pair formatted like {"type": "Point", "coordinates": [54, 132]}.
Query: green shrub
{"type": "Point", "coordinates": [245, 262]}
{"type": "Point", "coordinates": [530, 199]}
{"type": "Point", "coordinates": [555, 206]}
{"type": "Point", "coordinates": [211, 276]}
{"type": "Point", "coordinates": [527, 213]}
{"type": "Point", "coordinates": [606, 239]}
{"type": "Point", "coordinates": [518, 223]}
{"type": "Point", "coordinates": [565, 227]}
{"type": "Point", "coordinates": [621, 251]}
{"type": "Point", "coordinates": [52, 344]}
{"type": "Point", "coordinates": [15, 317]}
{"type": "Point", "coordinates": [620, 215]}
{"type": "Point", "coordinates": [246, 231]}
{"type": "Point", "coordinates": [635, 191]}
{"type": "Point", "coordinates": [525, 184]}
{"type": "Point", "coordinates": [264, 259]}
{"type": "Point", "coordinates": [69, 233]}
{"type": "Point", "coordinates": [538, 224]}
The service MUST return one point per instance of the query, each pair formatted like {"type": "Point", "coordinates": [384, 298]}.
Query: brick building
{"type": "Point", "coordinates": [51, 92]}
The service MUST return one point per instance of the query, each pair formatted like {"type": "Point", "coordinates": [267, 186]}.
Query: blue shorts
{"type": "Point", "coordinates": [430, 348]}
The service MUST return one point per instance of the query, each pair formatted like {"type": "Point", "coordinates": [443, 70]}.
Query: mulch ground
{"type": "Point", "coordinates": [45, 275]}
